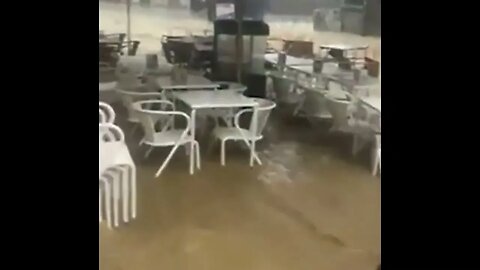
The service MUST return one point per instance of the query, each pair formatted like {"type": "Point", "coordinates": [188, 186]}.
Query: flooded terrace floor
{"type": "Point", "coordinates": [310, 206]}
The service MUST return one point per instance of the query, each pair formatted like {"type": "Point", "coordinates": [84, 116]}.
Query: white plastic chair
{"type": "Point", "coordinates": [365, 125]}
{"type": "Point", "coordinates": [226, 114]}
{"type": "Point", "coordinates": [105, 184]}
{"type": "Point", "coordinates": [159, 130]}
{"type": "Point", "coordinates": [116, 168]}
{"type": "Point", "coordinates": [339, 110]}
{"type": "Point", "coordinates": [314, 105]}
{"type": "Point", "coordinates": [236, 133]}
{"type": "Point", "coordinates": [129, 97]}
{"type": "Point", "coordinates": [286, 90]}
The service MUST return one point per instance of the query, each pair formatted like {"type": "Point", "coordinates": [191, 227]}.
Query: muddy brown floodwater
{"type": "Point", "coordinates": [310, 206]}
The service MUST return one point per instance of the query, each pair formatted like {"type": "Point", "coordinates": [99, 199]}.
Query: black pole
{"type": "Point", "coordinates": [239, 9]}
{"type": "Point", "coordinates": [129, 26]}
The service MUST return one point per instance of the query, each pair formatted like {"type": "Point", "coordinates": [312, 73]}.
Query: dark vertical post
{"type": "Point", "coordinates": [129, 38]}
{"type": "Point", "coordinates": [239, 38]}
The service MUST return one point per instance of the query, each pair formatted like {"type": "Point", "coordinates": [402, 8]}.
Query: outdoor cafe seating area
{"type": "Point", "coordinates": [172, 106]}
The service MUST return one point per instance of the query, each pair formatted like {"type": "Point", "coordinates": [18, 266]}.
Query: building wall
{"type": "Point", "coordinates": [352, 21]}
{"type": "Point", "coordinates": [362, 20]}
{"type": "Point", "coordinates": [373, 18]}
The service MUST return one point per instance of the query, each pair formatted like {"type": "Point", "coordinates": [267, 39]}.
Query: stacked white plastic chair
{"type": "Point", "coordinates": [117, 172]}
{"type": "Point", "coordinates": [160, 131]}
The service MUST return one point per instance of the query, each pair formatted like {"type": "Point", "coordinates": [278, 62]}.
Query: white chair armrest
{"type": "Point", "coordinates": [236, 120]}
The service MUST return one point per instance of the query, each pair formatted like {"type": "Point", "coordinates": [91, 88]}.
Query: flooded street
{"type": "Point", "coordinates": [311, 205]}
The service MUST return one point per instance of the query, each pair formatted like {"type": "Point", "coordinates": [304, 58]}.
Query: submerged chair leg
{"type": "Point", "coordinates": [108, 198]}
{"type": "Point", "coordinates": [133, 190]}
{"type": "Point", "coordinates": [374, 161]}
{"type": "Point", "coordinates": [100, 218]}
{"type": "Point", "coordinates": [115, 180]}
{"type": "Point", "coordinates": [164, 164]}
{"type": "Point", "coordinates": [147, 153]}
{"type": "Point", "coordinates": [379, 161]}
{"type": "Point", "coordinates": [197, 152]}
{"type": "Point", "coordinates": [222, 152]}
{"type": "Point", "coordinates": [192, 157]}
{"type": "Point", "coordinates": [125, 181]}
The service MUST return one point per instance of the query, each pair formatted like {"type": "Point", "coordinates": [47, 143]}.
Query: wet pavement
{"type": "Point", "coordinates": [310, 206]}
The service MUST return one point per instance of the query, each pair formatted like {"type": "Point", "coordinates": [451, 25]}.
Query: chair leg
{"type": "Point", "coordinates": [375, 160]}
{"type": "Point", "coordinates": [222, 152]}
{"type": "Point", "coordinates": [187, 149]}
{"type": "Point", "coordinates": [379, 161]}
{"type": "Point", "coordinates": [116, 197]}
{"type": "Point", "coordinates": [124, 180]}
{"type": "Point", "coordinates": [255, 156]}
{"type": "Point", "coordinates": [228, 121]}
{"type": "Point", "coordinates": [165, 162]}
{"type": "Point", "coordinates": [133, 190]}
{"type": "Point", "coordinates": [147, 153]}
{"type": "Point", "coordinates": [197, 151]}
{"type": "Point", "coordinates": [191, 156]}
{"type": "Point", "coordinates": [108, 198]}
{"type": "Point", "coordinates": [100, 218]}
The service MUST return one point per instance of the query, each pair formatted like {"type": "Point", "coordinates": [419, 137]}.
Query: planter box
{"type": "Point", "coordinates": [372, 66]}
{"type": "Point", "coordinates": [299, 48]}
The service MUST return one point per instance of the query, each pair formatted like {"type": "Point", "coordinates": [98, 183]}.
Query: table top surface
{"type": "Point", "coordinates": [338, 75]}
{"type": "Point", "coordinates": [201, 99]}
{"type": "Point", "coordinates": [193, 82]}
{"type": "Point", "coordinates": [291, 60]}
{"type": "Point", "coordinates": [328, 69]}
{"type": "Point", "coordinates": [108, 40]}
{"type": "Point", "coordinates": [343, 47]}
{"type": "Point", "coordinates": [303, 69]}
{"type": "Point", "coordinates": [374, 102]}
